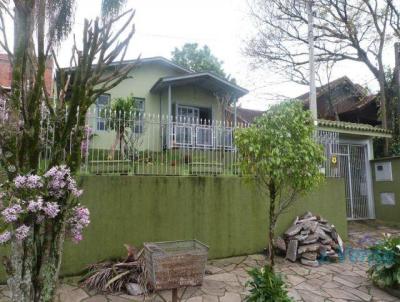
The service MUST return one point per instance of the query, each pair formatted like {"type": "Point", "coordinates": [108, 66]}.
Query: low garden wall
{"type": "Point", "coordinates": [387, 208]}
{"type": "Point", "coordinates": [227, 213]}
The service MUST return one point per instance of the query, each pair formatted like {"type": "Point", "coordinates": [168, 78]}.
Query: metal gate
{"type": "Point", "coordinates": [353, 167]}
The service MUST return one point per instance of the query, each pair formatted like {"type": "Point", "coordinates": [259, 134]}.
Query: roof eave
{"type": "Point", "coordinates": [239, 91]}
{"type": "Point", "coordinates": [353, 129]}
{"type": "Point", "coordinates": [365, 133]}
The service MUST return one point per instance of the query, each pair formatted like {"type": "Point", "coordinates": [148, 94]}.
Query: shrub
{"type": "Point", "coordinates": [385, 262]}
{"type": "Point", "coordinates": [266, 286]}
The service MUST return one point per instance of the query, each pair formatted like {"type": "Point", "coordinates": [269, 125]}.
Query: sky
{"type": "Point", "coordinates": [224, 25]}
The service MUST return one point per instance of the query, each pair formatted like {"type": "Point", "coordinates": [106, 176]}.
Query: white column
{"type": "Point", "coordinates": [169, 126]}
{"type": "Point", "coordinates": [235, 112]}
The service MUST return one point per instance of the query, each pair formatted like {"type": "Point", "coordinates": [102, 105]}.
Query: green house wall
{"type": "Point", "coordinates": [388, 213]}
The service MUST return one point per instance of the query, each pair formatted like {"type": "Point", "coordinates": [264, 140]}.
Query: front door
{"type": "Point", "coordinates": [353, 161]}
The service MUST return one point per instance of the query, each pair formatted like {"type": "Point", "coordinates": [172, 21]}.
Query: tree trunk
{"type": "Point", "coordinates": [50, 263]}
{"type": "Point", "coordinates": [22, 260]}
{"type": "Point", "coordinates": [272, 223]}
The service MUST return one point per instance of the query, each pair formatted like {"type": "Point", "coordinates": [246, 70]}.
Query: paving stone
{"type": "Point", "coordinates": [195, 299]}
{"type": "Point", "coordinates": [295, 279]}
{"type": "Point", "coordinates": [68, 293]}
{"type": "Point", "coordinates": [112, 298]}
{"type": "Point", "coordinates": [345, 282]}
{"type": "Point", "coordinates": [308, 296]}
{"type": "Point", "coordinates": [211, 270]}
{"type": "Point", "coordinates": [358, 293]}
{"type": "Point", "coordinates": [341, 294]}
{"type": "Point", "coordinates": [97, 298]}
{"type": "Point", "coordinates": [208, 298]}
{"type": "Point", "coordinates": [221, 277]}
{"type": "Point", "coordinates": [294, 294]}
{"type": "Point", "coordinates": [330, 285]}
{"type": "Point", "coordinates": [230, 297]}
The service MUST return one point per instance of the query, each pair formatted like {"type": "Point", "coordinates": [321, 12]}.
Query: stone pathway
{"type": "Point", "coordinates": [225, 279]}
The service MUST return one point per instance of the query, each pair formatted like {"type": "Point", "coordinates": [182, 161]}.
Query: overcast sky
{"type": "Point", "coordinates": [223, 25]}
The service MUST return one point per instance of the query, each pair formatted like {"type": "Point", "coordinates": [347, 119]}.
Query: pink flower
{"type": "Point", "coordinates": [4, 237]}
{"type": "Point", "coordinates": [19, 181]}
{"type": "Point", "coordinates": [35, 206]}
{"type": "Point", "coordinates": [28, 182]}
{"type": "Point", "coordinates": [51, 209]}
{"type": "Point", "coordinates": [22, 232]}
{"type": "Point", "coordinates": [10, 214]}
{"type": "Point", "coordinates": [79, 220]}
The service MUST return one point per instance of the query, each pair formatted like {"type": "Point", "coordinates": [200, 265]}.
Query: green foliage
{"type": "Point", "coordinates": [385, 262]}
{"type": "Point", "coordinates": [192, 57]}
{"type": "Point", "coordinates": [279, 147]}
{"type": "Point", "coordinates": [111, 7]}
{"type": "Point", "coordinates": [266, 286]}
{"type": "Point", "coordinates": [123, 106]}
{"type": "Point", "coordinates": [281, 153]}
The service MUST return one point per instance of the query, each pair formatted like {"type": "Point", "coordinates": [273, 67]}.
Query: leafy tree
{"type": "Point", "coordinates": [121, 117]}
{"type": "Point", "coordinates": [346, 30]}
{"type": "Point", "coordinates": [281, 153]}
{"type": "Point", "coordinates": [40, 26]}
{"type": "Point", "coordinates": [198, 59]}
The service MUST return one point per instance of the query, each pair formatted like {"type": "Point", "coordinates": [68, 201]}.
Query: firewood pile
{"type": "Point", "coordinates": [310, 238]}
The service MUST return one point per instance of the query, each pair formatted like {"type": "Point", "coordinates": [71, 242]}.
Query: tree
{"type": "Point", "coordinates": [39, 28]}
{"type": "Point", "coordinates": [197, 59]}
{"type": "Point", "coordinates": [349, 30]}
{"type": "Point", "coordinates": [280, 152]}
{"type": "Point", "coordinates": [123, 117]}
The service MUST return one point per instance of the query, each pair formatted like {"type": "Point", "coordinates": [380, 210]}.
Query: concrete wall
{"type": "Point", "coordinates": [226, 213]}
{"type": "Point", "coordinates": [389, 213]}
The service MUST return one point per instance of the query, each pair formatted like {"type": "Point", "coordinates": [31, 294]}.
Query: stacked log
{"type": "Point", "coordinates": [309, 239]}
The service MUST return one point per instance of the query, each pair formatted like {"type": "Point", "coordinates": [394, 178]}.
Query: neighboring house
{"type": "Point", "coordinates": [244, 116]}
{"type": "Point", "coordinates": [345, 101]}
{"type": "Point", "coordinates": [175, 106]}
{"type": "Point", "coordinates": [6, 74]}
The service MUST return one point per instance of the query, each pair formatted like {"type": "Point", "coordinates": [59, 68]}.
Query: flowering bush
{"type": "Point", "coordinates": [32, 199]}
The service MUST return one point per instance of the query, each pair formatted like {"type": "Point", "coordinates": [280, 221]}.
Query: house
{"type": "Point", "coordinates": [340, 100]}
{"type": "Point", "coordinates": [175, 107]}
{"type": "Point", "coordinates": [345, 101]}
{"type": "Point", "coordinates": [6, 74]}
{"type": "Point", "coordinates": [243, 115]}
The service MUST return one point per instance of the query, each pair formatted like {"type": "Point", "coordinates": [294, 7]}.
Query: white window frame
{"type": "Point", "coordinates": [99, 107]}
{"type": "Point", "coordinates": [207, 128]}
{"type": "Point", "coordinates": [191, 119]}
{"type": "Point", "coordinates": [138, 124]}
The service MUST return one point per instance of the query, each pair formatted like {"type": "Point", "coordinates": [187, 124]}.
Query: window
{"type": "Point", "coordinates": [101, 103]}
{"type": "Point", "coordinates": [187, 114]}
{"type": "Point", "coordinates": [138, 122]}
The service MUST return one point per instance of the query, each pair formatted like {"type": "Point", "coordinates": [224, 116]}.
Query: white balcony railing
{"type": "Point", "coordinates": [201, 136]}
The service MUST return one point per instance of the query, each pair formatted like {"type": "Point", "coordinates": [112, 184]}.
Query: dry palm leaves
{"type": "Point", "coordinates": [113, 276]}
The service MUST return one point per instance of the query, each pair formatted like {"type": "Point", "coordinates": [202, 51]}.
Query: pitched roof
{"type": "Point", "coordinates": [157, 59]}
{"type": "Point", "coordinates": [206, 80]}
{"type": "Point", "coordinates": [339, 81]}
{"type": "Point", "coordinates": [248, 115]}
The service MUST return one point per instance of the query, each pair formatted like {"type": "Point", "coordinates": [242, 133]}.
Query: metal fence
{"type": "Point", "coordinates": [330, 141]}
{"type": "Point", "coordinates": [147, 144]}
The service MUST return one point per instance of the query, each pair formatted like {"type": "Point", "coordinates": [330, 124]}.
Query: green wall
{"type": "Point", "coordinates": [388, 213]}
{"type": "Point", "coordinates": [226, 213]}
